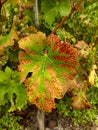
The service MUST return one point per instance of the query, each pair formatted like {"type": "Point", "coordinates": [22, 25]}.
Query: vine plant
{"type": "Point", "coordinates": [46, 67]}
{"type": "Point", "coordinates": [51, 64]}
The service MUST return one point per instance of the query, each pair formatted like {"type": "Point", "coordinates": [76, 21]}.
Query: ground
{"type": "Point", "coordinates": [53, 121]}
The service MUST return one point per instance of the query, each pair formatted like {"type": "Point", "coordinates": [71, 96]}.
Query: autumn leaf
{"type": "Point", "coordinates": [83, 48]}
{"type": "Point", "coordinates": [92, 76]}
{"type": "Point", "coordinates": [50, 64]}
{"type": "Point", "coordinates": [69, 57]}
{"type": "Point", "coordinates": [7, 40]}
{"type": "Point", "coordinates": [79, 101]}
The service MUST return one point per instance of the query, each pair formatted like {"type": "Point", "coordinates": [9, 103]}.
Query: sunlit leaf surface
{"type": "Point", "coordinates": [45, 66]}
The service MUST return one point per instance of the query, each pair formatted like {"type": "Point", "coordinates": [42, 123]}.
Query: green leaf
{"type": "Point", "coordinates": [64, 7]}
{"type": "Point", "coordinates": [7, 40]}
{"type": "Point", "coordinates": [8, 72]}
{"type": "Point", "coordinates": [2, 76]}
{"type": "Point", "coordinates": [51, 9]}
{"type": "Point", "coordinates": [11, 90]}
{"type": "Point", "coordinates": [21, 99]}
{"type": "Point", "coordinates": [3, 92]}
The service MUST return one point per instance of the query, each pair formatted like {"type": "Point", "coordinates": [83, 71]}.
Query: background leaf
{"type": "Point", "coordinates": [52, 9]}
{"type": "Point", "coordinates": [11, 90]}
{"type": "Point", "coordinates": [7, 40]}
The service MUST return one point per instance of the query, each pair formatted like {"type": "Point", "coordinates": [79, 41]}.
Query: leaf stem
{"type": "Point", "coordinates": [66, 18]}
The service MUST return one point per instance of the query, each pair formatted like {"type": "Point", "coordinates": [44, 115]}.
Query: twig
{"type": "Point", "coordinates": [66, 18]}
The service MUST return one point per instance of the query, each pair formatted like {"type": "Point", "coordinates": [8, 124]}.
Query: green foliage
{"type": "Point", "coordinates": [82, 22]}
{"type": "Point", "coordinates": [89, 60]}
{"type": "Point", "coordinates": [11, 90]}
{"type": "Point", "coordinates": [79, 116]}
{"type": "Point", "coordinates": [91, 14]}
{"type": "Point", "coordinates": [52, 9]}
{"type": "Point", "coordinates": [81, 25]}
{"type": "Point", "coordinates": [93, 95]}
{"type": "Point", "coordinates": [17, 15]}
{"type": "Point", "coordinates": [6, 43]}
{"type": "Point", "coordinates": [8, 40]}
{"type": "Point", "coordinates": [64, 107]}
{"type": "Point", "coordinates": [10, 122]}
{"type": "Point", "coordinates": [84, 116]}
{"type": "Point", "coordinates": [64, 35]}
{"type": "Point", "coordinates": [96, 82]}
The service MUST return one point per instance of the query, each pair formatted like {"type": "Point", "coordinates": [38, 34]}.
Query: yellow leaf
{"type": "Point", "coordinates": [92, 76]}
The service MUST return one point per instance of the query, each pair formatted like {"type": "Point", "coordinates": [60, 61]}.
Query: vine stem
{"type": "Point", "coordinates": [41, 119]}
{"type": "Point", "coordinates": [36, 14]}
{"type": "Point", "coordinates": [40, 114]}
{"type": "Point", "coordinates": [66, 18]}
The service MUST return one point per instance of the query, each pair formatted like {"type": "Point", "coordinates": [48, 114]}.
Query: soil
{"type": "Point", "coordinates": [53, 121]}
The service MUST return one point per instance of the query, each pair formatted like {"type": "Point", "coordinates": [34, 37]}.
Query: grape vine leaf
{"type": "Point", "coordinates": [64, 7]}
{"type": "Point", "coordinates": [45, 64]}
{"type": "Point", "coordinates": [7, 40]}
{"type": "Point", "coordinates": [50, 10]}
{"type": "Point", "coordinates": [11, 90]}
{"type": "Point", "coordinates": [79, 100]}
